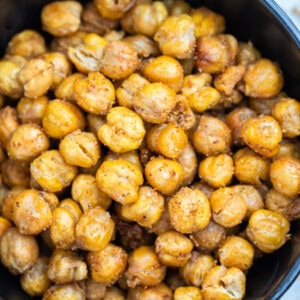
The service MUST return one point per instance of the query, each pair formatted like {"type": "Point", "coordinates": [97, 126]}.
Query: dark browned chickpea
{"type": "Point", "coordinates": [4, 225]}
{"type": "Point", "coordinates": [188, 293]}
{"type": "Point", "coordinates": [247, 54]}
{"type": "Point", "coordinates": [59, 291]}
{"type": "Point", "coordinates": [159, 292]}
{"type": "Point", "coordinates": [61, 18]}
{"type": "Point", "coordinates": [215, 53]}
{"type": "Point", "coordinates": [113, 10]}
{"type": "Point", "coordinates": [144, 268]}
{"type": "Point", "coordinates": [212, 136]}
{"type": "Point", "coordinates": [277, 202]}
{"type": "Point", "coordinates": [107, 265]}
{"type": "Point", "coordinates": [18, 252]}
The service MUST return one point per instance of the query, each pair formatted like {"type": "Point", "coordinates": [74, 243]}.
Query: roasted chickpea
{"type": "Point", "coordinates": [188, 293]}
{"type": "Point", "coordinates": [18, 252]}
{"type": "Point", "coordinates": [288, 149]}
{"type": "Point", "coordinates": [60, 291]}
{"type": "Point", "coordinates": [159, 292]}
{"type": "Point", "coordinates": [94, 122]}
{"type": "Point", "coordinates": [144, 268]}
{"type": "Point", "coordinates": [114, 293]}
{"type": "Point", "coordinates": [94, 290]}
{"type": "Point", "coordinates": [177, 7]}
{"type": "Point", "coordinates": [115, 35]}
{"type": "Point", "coordinates": [277, 202]}
{"type": "Point", "coordinates": [267, 230]}
{"type": "Point", "coordinates": [6, 204]}
{"type": "Point", "coordinates": [72, 206]}
{"type": "Point", "coordinates": [4, 225]}
{"type": "Point", "coordinates": [247, 54]}
{"type": "Point", "coordinates": [112, 10]}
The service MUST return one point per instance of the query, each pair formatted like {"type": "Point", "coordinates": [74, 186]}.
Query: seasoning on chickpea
{"type": "Point", "coordinates": [59, 291]}
{"type": "Point", "coordinates": [112, 10]}
{"type": "Point", "coordinates": [160, 291]}
{"type": "Point", "coordinates": [188, 293]}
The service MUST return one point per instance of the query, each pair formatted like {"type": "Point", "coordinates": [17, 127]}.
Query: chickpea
{"type": "Point", "coordinates": [60, 291]}
{"type": "Point", "coordinates": [94, 290]}
{"type": "Point", "coordinates": [212, 136]}
{"type": "Point", "coordinates": [188, 293]}
{"type": "Point", "coordinates": [176, 8]}
{"type": "Point", "coordinates": [107, 265]}
{"type": "Point", "coordinates": [8, 124]}
{"type": "Point", "coordinates": [112, 10]}
{"type": "Point", "coordinates": [61, 18]}
{"type": "Point", "coordinates": [18, 252]}
{"type": "Point", "coordinates": [94, 122]}
{"type": "Point", "coordinates": [72, 206]}
{"type": "Point", "coordinates": [4, 225]}
{"type": "Point", "coordinates": [228, 207]}
{"type": "Point", "coordinates": [267, 230]}
{"type": "Point", "coordinates": [224, 283]}
{"type": "Point", "coordinates": [160, 292]}
{"type": "Point", "coordinates": [277, 202]}
{"type": "Point", "coordinates": [247, 54]}
{"type": "Point", "coordinates": [196, 268]}
{"type": "Point", "coordinates": [288, 149]}
{"type": "Point", "coordinates": [115, 35]}
{"type": "Point", "coordinates": [163, 174]}
{"type": "Point", "coordinates": [6, 204]}
{"type": "Point", "coordinates": [61, 118]}
{"type": "Point", "coordinates": [262, 107]}
{"type": "Point", "coordinates": [144, 268]}
{"type": "Point", "coordinates": [285, 176]}
{"type": "Point", "coordinates": [35, 280]}
{"type": "Point", "coordinates": [114, 293]}
{"type": "Point", "coordinates": [215, 53]}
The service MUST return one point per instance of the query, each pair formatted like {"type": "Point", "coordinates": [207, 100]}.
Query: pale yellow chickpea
{"type": "Point", "coordinates": [228, 207]}
{"type": "Point", "coordinates": [247, 54]}
{"type": "Point", "coordinates": [35, 281]}
{"type": "Point", "coordinates": [120, 180]}
{"type": "Point", "coordinates": [4, 225]}
{"type": "Point", "coordinates": [113, 10]}
{"type": "Point", "coordinates": [159, 292]}
{"type": "Point", "coordinates": [175, 36]}
{"type": "Point", "coordinates": [61, 118]}
{"type": "Point", "coordinates": [267, 230]}
{"type": "Point", "coordinates": [94, 229]}
{"type": "Point", "coordinates": [189, 210]}
{"type": "Point", "coordinates": [216, 170]}
{"type": "Point", "coordinates": [18, 252]}
{"type": "Point", "coordinates": [188, 293]}
{"type": "Point", "coordinates": [164, 174]}
{"type": "Point", "coordinates": [115, 35]}
{"type": "Point", "coordinates": [72, 206]}
{"type": "Point", "coordinates": [94, 122]}
{"type": "Point", "coordinates": [59, 291]}
{"type": "Point", "coordinates": [61, 18]}
{"type": "Point", "coordinates": [144, 268]}
{"type": "Point", "coordinates": [107, 265]}
{"type": "Point", "coordinates": [277, 202]}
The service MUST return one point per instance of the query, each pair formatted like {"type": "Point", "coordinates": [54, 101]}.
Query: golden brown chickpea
{"type": "Point", "coordinates": [250, 167]}
{"type": "Point", "coordinates": [277, 202]}
{"type": "Point", "coordinates": [228, 207]}
{"type": "Point", "coordinates": [61, 18]}
{"type": "Point", "coordinates": [175, 36]}
{"type": "Point", "coordinates": [189, 210]}
{"type": "Point", "coordinates": [164, 174]}
{"type": "Point", "coordinates": [247, 54]}
{"type": "Point", "coordinates": [94, 122]}
{"type": "Point", "coordinates": [35, 280]}
{"type": "Point", "coordinates": [8, 200]}
{"type": "Point", "coordinates": [159, 292]}
{"type": "Point", "coordinates": [94, 229]}
{"type": "Point", "coordinates": [154, 102]}
{"type": "Point", "coordinates": [176, 8]}
{"type": "Point", "coordinates": [215, 53]}
{"type": "Point", "coordinates": [144, 268]}
{"type": "Point", "coordinates": [27, 142]}
{"type": "Point", "coordinates": [113, 10]}
{"type": "Point", "coordinates": [188, 293]}
{"type": "Point", "coordinates": [173, 248]}
{"type": "Point", "coordinates": [61, 291]}
{"type": "Point", "coordinates": [212, 136]}
{"type": "Point", "coordinates": [267, 230]}
{"type": "Point", "coordinates": [224, 283]}
{"type": "Point", "coordinates": [72, 206]}
{"type": "Point", "coordinates": [18, 252]}
{"type": "Point", "coordinates": [94, 290]}
{"type": "Point", "coordinates": [207, 22]}
{"type": "Point", "coordinates": [61, 118]}
{"type": "Point", "coordinates": [119, 60]}
{"type": "Point", "coordinates": [263, 134]}
{"type": "Point", "coordinates": [4, 225]}
{"type": "Point", "coordinates": [120, 180]}
{"type": "Point", "coordinates": [216, 170]}
{"type": "Point", "coordinates": [114, 293]}
{"type": "Point", "coordinates": [51, 171]}
{"type": "Point", "coordinates": [285, 176]}
{"type": "Point", "coordinates": [107, 265]}
{"type": "Point", "coordinates": [288, 149]}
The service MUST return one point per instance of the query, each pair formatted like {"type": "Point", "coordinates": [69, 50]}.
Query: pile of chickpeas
{"type": "Point", "coordinates": [144, 152]}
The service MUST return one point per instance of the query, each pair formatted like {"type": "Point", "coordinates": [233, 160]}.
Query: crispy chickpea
{"type": "Point", "coordinates": [262, 134]}
{"type": "Point", "coordinates": [115, 35]}
{"type": "Point", "coordinates": [144, 268]}
{"type": "Point", "coordinates": [107, 265]}
{"type": "Point", "coordinates": [228, 207]}
{"type": "Point", "coordinates": [263, 79]}
{"type": "Point", "coordinates": [212, 136]}
{"type": "Point", "coordinates": [250, 167]}
{"type": "Point", "coordinates": [94, 122]}
{"type": "Point", "coordinates": [177, 7]}
{"type": "Point", "coordinates": [18, 252]}
{"type": "Point", "coordinates": [72, 206]}
{"type": "Point", "coordinates": [188, 293]}
{"type": "Point", "coordinates": [267, 230]}
{"type": "Point", "coordinates": [164, 174]}
{"type": "Point", "coordinates": [113, 10]}
{"type": "Point", "coordinates": [285, 175]}
{"type": "Point", "coordinates": [189, 210]}
{"type": "Point", "coordinates": [165, 69]}
{"type": "Point", "coordinates": [61, 291]}
{"type": "Point", "coordinates": [277, 202]}
{"type": "Point", "coordinates": [124, 130]}
{"type": "Point", "coordinates": [224, 283]}
{"type": "Point", "coordinates": [173, 248]}
{"type": "Point", "coordinates": [247, 54]}
{"type": "Point", "coordinates": [159, 292]}
{"type": "Point", "coordinates": [94, 290]}
{"type": "Point", "coordinates": [215, 53]}
{"type": "Point", "coordinates": [27, 142]}
{"type": "Point", "coordinates": [120, 180]}
{"type": "Point", "coordinates": [35, 280]}
{"type": "Point", "coordinates": [119, 60]}
{"type": "Point", "coordinates": [4, 225]}
{"type": "Point", "coordinates": [8, 200]}
{"type": "Point", "coordinates": [61, 18]}
{"type": "Point", "coordinates": [94, 229]}
{"type": "Point", "coordinates": [288, 149]}
{"type": "Point", "coordinates": [114, 293]}
{"type": "Point", "coordinates": [216, 170]}
{"type": "Point", "coordinates": [154, 102]}
{"type": "Point", "coordinates": [175, 36]}
{"type": "Point", "coordinates": [61, 118]}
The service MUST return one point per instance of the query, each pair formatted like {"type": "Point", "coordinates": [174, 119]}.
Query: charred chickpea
{"type": "Point", "coordinates": [4, 225]}
{"type": "Point", "coordinates": [188, 293]}
{"type": "Point", "coordinates": [61, 118]}
{"type": "Point", "coordinates": [107, 265]}
{"type": "Point", "coordinates": [18, 252]}
{"type": "Point", "coordinates": [144, 268]}
{"type": "Point", "coordinates": [277, 202]}
{"type": "Point", "coordinates": [120, 180]}
{"type": "Point", "coordinates": [267, 230]}
{"type": "Point", "coordinates": [247, 54]}
{"type": "Point", "coordinates": [173, 248]}
{"type": "Point", "coordinates": [113, 10]}
{"type": "Point", "coordinates": [35, 281]}
{"type": "Point", "coordinates": [160, 292]}
{"type": "Point", "coordinates": [61, 18]}
{"type": "Point", "coordinates": [59, 291]}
